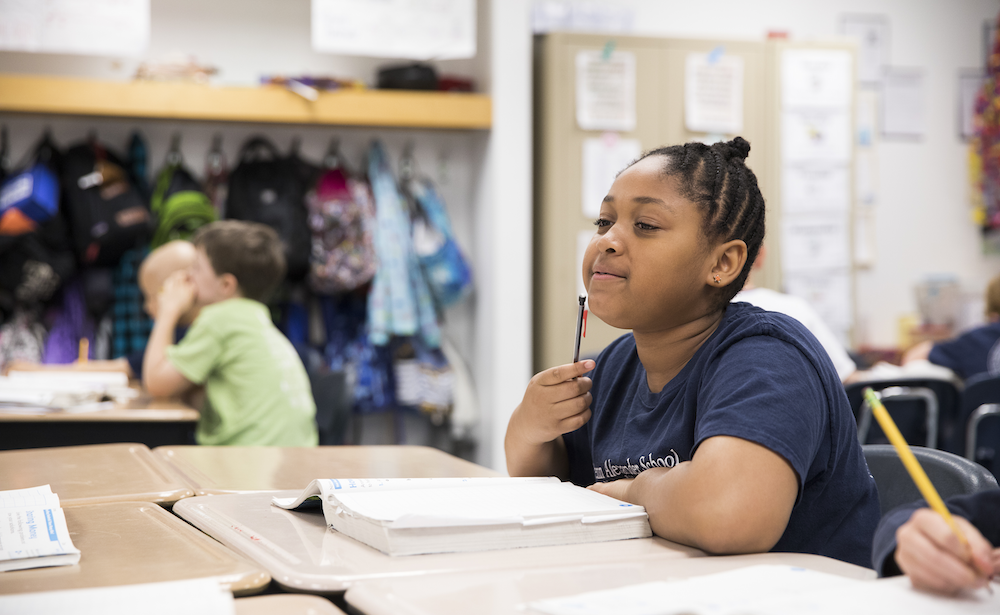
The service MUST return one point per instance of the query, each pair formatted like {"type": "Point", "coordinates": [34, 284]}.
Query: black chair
{"type": "Point", "coordinates": [924, 409]}
{"type": "Point", "coordinates": [333, 406]}
{"type": "Point", "coordinates": [979, 413]}
{"type": "Point", "coordinates": [949, 473]}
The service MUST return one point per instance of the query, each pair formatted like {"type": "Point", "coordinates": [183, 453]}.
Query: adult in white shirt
{"type": "Point", "coordinates": [800, 310]}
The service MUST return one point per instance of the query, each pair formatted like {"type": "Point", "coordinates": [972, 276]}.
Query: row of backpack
{"type": "Point", "coordinates": [100, 207]}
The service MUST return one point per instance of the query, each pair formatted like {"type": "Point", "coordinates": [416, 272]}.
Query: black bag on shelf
{"type": "Point", "coordinates": [106, 214]}
{"type": "Point", "coordinates": [414, 76]}
{"type": "Point", "coordinates": [269, 188]}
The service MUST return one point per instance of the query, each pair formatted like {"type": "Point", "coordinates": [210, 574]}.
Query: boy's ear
{"type": "Point", "coordinates": [729, 260]}
{"type": "Point", "coordinates": [230, 285]}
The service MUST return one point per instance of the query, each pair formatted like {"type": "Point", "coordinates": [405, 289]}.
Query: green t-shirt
{"type": "Point", "coordinates": [258, 391]}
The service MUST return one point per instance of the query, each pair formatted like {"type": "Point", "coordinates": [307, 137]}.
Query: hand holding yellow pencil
{"type": "Point", "coordinates": [915, 470]}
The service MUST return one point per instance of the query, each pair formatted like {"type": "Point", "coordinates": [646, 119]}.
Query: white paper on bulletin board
{"type": "Point", "coordinates": [603, 159]}
{"type": "Point", "coordinates": [815, 187]}
{"type": "Point", "coordinates": [605, 90]}
{"type": "Point", "coordinates": [814, 241]}
{"type": "Point", "coordinates": [903, 100]}
{"type": "Point", "coordinates": [89, 27]}
{"type": "Point", "coordinates": [829, 293]}
{"type": "Point", "coordinates": [713, 93]}
{"type": "Point", "coordinates": [415, 29]}
{"type": "Point", "coordinates": [816, 78]}
{"type": "Point", "coordinates": [816, 135]}
{"type": "Point", "coordinates": [582, 241]}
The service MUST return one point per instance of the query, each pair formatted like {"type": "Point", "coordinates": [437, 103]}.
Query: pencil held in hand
{"type": "Point", "coordinates": [912, 465]}
{"type": "Point", "coordinates": [581, 324]}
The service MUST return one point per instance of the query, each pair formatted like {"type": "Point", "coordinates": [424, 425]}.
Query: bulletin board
{"type": "Point", "coordinates": [586, 129]}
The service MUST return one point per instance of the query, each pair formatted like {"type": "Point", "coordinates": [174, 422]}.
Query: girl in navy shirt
{"type": "Point", "coordinates": [727, 423]}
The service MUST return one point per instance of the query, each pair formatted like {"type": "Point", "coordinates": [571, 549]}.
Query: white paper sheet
{"type": "Point", "coordinates": [97, 27]}
{"type": "Point", "coordinates": [829, 293]}
{"type": "Point", "coordinates": [415, 29]}
{"type": "Point", "coordinates": [33, 530]}
{"type": "Point", "coordinates": [814, 241]}
{"type": "Point", "coordinates": [810, 135]}
{"type": "Point", "coordinates": [816, 79]}
{"type": "Point", "coordinates": [769, 590]}
{"type": "Point", "coordinates": [605, 90]}
{"type": "Point", "coordinates": [582, 241]}
{"type": "Point", "coordinates": [603, 159]}
{"type": "Point", "coordinates": [872, 34]}
{"type": "Point", "coordinates": [745, 590]}
{"type": "Point", "coordinates": [190, 597]}
{"type": "Point", "coordinates": [815, 187]}
{"type": "Point", "coordinates": [713, 92]}
{"type": "Point", "coordinates": [969, 84]}
{"type": "Point", "coordinates": [903, 100]}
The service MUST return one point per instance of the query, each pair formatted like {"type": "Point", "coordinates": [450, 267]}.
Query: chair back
{"type": "Point", "coordinates": [949, 473]}
{"type": "Point", "coordinates": [979, 414]}
{"type": "Point", "coordinates": [924, 409]}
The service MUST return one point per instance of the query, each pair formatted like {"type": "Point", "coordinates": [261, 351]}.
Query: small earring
{"type": "Point", "coordinates": [718, 279]}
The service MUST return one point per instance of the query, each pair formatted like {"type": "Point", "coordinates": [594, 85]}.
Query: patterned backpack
{"type": "Point", "coordinates": [341, 218]}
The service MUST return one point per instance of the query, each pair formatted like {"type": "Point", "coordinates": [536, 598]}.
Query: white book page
{"type": "Point", "coordinates": [332, 487]}
{"type": "Point", "coordinates": [481, 504]}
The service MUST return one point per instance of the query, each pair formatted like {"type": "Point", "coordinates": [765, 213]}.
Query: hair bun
{"type": "Point", "coordinates": [737, 148]}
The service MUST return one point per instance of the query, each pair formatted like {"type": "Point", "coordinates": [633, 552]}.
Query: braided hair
{"type": "Point", "coordinates": [716, 179]}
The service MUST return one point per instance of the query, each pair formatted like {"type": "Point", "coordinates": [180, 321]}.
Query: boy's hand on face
{"type": "Point", "coordinates": [557, 401]}
{"type": "Point", "coordinates": [930, 553]}
{"type": "Point", "coordinates": [177, 295]}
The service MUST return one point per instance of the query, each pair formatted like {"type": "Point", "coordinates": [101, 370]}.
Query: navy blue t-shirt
{"type": "Point", "coordinates": [971, 353]}
{"type": "Point", "coordinates": [761, 376]}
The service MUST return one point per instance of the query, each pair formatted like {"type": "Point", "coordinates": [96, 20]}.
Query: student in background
{"type": "Point", "coordinates": [800, 310]}
{"type": "Point", "coordinates": [727, 423]}
{"type": "Point", "coordinates": [257, 388]}
{"type": "Point", "coordinates": [971, 353]}
{"type": "Point", "coordinates": [160, 264]}
{"type": "Point", "coordinates": [917, 542]}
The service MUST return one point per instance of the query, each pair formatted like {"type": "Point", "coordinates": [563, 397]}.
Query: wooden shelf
{"type": "Point", "coordinates": [274, 104]}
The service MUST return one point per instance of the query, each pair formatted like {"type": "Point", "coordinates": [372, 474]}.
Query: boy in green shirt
{"type": "Point", "coordinates": [257, 388]}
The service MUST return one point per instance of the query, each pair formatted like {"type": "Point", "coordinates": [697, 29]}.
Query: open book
{"type": "Point", "coordinates": [409, 516]}
{"type": "Point", "coordinates": [33, 531]}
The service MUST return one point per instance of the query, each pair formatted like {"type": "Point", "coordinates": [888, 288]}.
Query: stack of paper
{"type": "Point", "coordinates": [33, 530]}
{"type": "Point", "coordinates": [441, 515]}
{"type": "Point", "coordinates": [73, 391]}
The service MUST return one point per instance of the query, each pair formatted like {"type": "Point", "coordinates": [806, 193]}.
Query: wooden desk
{"type": "Point", "coordinates": [94, 474]}
{"type": "Point", "coordinates": [285, 604]}
{"type": "Point", "coordinates": [495, 592]}
{"type": "Point", "coordinates": [303, 556]}
{"type": "Point", "coordinates": [153, 422]}
{"type": "Point", "coordinates": [124, 543]}
{"type": "Point", "coordinates": [212, 470]}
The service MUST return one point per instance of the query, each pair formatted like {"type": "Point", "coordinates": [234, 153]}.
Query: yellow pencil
{"type": "Point", "coordinates": [912, 465]}
{"type": "Point", "coordinates": [84, 349]}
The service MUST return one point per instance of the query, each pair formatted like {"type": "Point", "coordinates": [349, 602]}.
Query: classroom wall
{"type": "Point", "coordinates": [922, 217]}
{"type": "Point", "coordinates": [245, 39]}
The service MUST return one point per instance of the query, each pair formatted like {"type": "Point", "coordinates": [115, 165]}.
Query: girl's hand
{"type": "Point", "coordinates": [930, 553]}
{"type": "Point", "coordinates": [557, 401]}
{"type": "Point", "coordinates": [617, 489]}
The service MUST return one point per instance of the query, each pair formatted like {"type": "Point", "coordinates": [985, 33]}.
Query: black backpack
{"type": "Point", "coordinates": [269, 188]}
{"type": "Point", "coordinates": [105, 212]}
